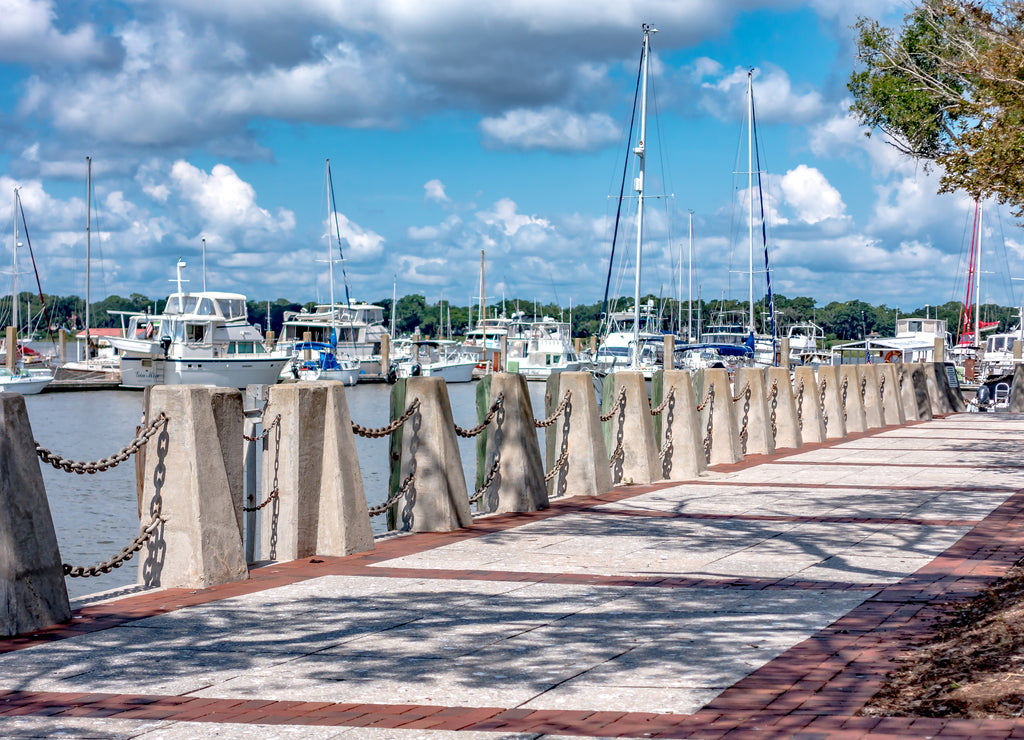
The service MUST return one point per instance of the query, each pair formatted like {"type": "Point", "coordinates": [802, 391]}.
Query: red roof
{"type": "Point", "coordinates": [100, 332]}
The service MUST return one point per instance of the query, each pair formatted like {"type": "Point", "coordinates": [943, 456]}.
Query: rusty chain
{"type": "Point", "coordinates": [616, 454]}
{"type": "Point", "coordinates": [881, 388]}
{"type": "Point", "coordinates": [744, 431]}
{"type": "Point", "coordinates": [708, 399]}
{"type": "Point", "coordinates": [619, 403]}
{"type": "Point", "coordinates": [541, 424]}
{"type": "Point", "coordinates": [863, 389]}
{"type": "Point", "coordinates": [800, 404]}
{"type": "Point", "coordinates": [487, 481]}
{"type": "Point", "coordinates": [266, 431]}
{"type": "Point", "coordinates": [71, 466]}
{"type": "Point", "coordinates": [664, 402]}
{"type": "Point", "coordinates": [273, 495]}
{"type": "Point", "coordinates": [390, 428]}
{"type": "Point", "coordinates": [88, 571]}
{"type": "Point", "coordinates": [557, 466]}
{"type": "Point", "coordinates": [393, 499]}
{"type": "Point", "coordinates": [846, 384]}
{"type": "Point", "coordinates": [821, 401]}
{"type": "Point", "coordinates": [773, 395]}
{"type": "Point", "coordinates": [498, 401]}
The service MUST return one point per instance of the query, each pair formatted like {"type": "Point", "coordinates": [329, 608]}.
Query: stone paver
{"type": "Point", "coordinates": [771, 593]}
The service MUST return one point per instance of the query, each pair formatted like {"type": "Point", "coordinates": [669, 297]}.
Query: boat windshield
{"type": "Point", "coordinates": [232, 308]}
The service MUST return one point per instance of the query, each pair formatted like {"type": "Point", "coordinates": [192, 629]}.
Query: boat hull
{"type": "Point", "coordinates": [236, 372]}
{"type": "Point", "coordinates": [25, 385]}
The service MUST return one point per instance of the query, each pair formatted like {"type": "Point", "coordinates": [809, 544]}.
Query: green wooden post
{"type": "Point", "coordinates": [395, 448]}
{"type": "Point", "coordinates": [483, 405]}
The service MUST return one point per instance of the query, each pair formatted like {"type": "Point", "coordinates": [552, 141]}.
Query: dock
{"type": "Point", "coordinates": [767, 597]}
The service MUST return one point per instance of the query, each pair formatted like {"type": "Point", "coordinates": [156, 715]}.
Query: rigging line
{"type": "Point", "coordinates": [764, 220]}
{"type": "Point", "coordinates": [35, 270]}
{"type": "Point", "coordinates": [1006, 260]}
{"type": "Point", "coordinates": [622, 189]}
{"type": "Point", "coordinates": [341, 254]}
{"type": "Point", "coordinates": [667, 181]}
{"type": "Point", "coordinates": [98, 230]}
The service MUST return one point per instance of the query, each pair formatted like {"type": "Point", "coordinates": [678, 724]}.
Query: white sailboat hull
{"type": "Point", "coordinates": [235, 372]}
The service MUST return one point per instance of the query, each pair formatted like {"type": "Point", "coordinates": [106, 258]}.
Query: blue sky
{"type": "Point", "coordinates": [453, 128]}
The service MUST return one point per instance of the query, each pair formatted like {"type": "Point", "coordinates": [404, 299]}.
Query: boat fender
{"type": "Point", "coordinates": [416, 370]}
{"type": "Point", "coordinates": [392, 377]}
{"type": "Point", "coordinates": [984, 395]}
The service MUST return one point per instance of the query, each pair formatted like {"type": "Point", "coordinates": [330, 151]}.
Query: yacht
{"type": "Point", "coordinates": [545, 351]}
{"type": "Point", "coordinates": [357, 327]}
{"type": "Point", "coordinates": [201, 338]}
{"type": "Point", "coordinates": [437, 358]}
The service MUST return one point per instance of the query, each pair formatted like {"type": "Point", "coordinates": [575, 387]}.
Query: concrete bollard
{"type": "Point", "coordinates": [309, 457]}
{"type": "Point", "coordinates": [576, 438]}
{"type": "Point", "coordinates": [752, 419]}
{"type": "Point", "coordinates": [1017, 389]}
{"type": "Point", "coordinates": [807, 399]}
{"type": "Point", "coordinates": [437, 499]}
{"type": "Point", "coordinates": [938, 387]}
{"type": "Point", "coordinates": [833, 413]}
{"type": "Point", "coordinates": [32, 590]}
{"type": "Point", "coordinates": [629, 433]}
{"type": "Point", "coordinates": [891, 395]}
{"type": "Point", "coordinates": [917, 403]}
{"type": "Point", "coordinates": [193, 479]}
{"type": "Point", "coordinates": [717, 415]}
{"type": "Point", "coordinates": [681, 431]}
{"type": "Point", "coordinates": [511, 439]}
{"type": "Point", "coordinates": [782, 409]}
{"type": "Point", "coordinates": [954, 396]}
{"type": "Point", "coordinates": [852, 398]}
{"type": "Point", "coordinates": [867, 386]}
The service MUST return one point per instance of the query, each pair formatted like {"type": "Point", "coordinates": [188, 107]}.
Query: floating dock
{"type": "Point", "coordinates": [768, 596]}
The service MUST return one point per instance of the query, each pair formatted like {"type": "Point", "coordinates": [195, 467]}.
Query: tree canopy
{"type": "Point", "coordinates": [947, 87]}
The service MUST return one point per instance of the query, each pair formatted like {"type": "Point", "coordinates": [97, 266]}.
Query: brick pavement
{"type": "Point", "coordinates": [768, 598]}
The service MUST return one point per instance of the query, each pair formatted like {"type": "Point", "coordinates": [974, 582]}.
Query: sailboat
{"type": "Point", "coordinates": [733, 334]}
{"type": "Point", "coordinates": [320, 360]}
{"type": "Point", "coordinates": [632, 339]}
{"type": "Point", "coordinates": [14, 376]}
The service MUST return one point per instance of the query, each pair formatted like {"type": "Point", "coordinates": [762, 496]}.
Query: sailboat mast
{"type": "Point", "coordinates": [638, 185]}
{"type": "Point", "coordinates": [977, 284]}
{"type": "Point", "coordinates": [88, 251]}
{"type": "Point", "coordinates": [330, 246]}
{"type": "Point", "coordinates": [689, 300]}
{"type": "Point", "coordinates": [14, 284]}
{"type": "Point", "coordinates": [750, 186]}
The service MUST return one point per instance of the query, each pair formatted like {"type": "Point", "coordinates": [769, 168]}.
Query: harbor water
{"type": "Point", "coordinates": [96, 515]}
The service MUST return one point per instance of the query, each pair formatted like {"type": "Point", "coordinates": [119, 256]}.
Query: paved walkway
{"type": "Point", "coordinates": [768, 598]}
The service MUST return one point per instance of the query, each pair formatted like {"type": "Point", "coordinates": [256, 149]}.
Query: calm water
{"type": "Point", "coordinates": [96, 515]}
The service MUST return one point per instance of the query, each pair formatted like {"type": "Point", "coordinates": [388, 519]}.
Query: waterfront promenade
{"type": "Point", "coordinates": [767, 598]}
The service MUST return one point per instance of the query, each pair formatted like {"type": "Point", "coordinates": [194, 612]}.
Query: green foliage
{"type": "Point", "coordinates": [948, 87]}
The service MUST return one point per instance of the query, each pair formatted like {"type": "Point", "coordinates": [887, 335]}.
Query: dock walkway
{"type": "Point", "coordinates": [767, 598]}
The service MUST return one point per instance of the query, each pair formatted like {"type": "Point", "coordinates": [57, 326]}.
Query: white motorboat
{"type": "Point", "coordinates": [201, 338]}
{"type": "Point", "coordinates": [545, 351]}
{"type": "Point", "coordinates": [436, 359]}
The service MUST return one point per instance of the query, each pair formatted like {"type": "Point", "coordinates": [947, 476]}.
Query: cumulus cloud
{"type": "Point", "coordinates": [505, 215]}
{"type": "Point", "coordinates": [775, 100]}
{"type": "Point", "coordinates": [29, 34]}
{"type": "Point", "coordinates": [813, 198]}
{"type": "Point", "coordinates": [433, 190]}
{"type": "Point", "coordinates": [551, 128]}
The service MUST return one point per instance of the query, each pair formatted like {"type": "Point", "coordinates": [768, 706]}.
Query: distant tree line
{"type": "Point", "coordinates": [841, 321]}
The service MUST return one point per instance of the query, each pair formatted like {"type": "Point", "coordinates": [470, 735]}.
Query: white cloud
{"type": "Point", "coordinates": [504, 214]}
{"type": "Point", "coordinates": [807, 191]}
{"type": "Point", "coordinates": [551, 128]}
{"type": "Point", "coordinates": [775, 100]}
{"type": "Point", "coordinates": [28, 34]}
{"type": "Point", "coordinates": [433, 190]}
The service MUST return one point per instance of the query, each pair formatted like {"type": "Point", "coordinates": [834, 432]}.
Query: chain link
{"type": "Point", "coordinates": [266, 431]}
{"type": "Point", "coordinates": [557, 466]}
{"type": "Point", "coordinates": [800, 404]}
{"type": "Point", "coordinates": [863, 389]}
{"type": "Point", "coordinates": [708, 399]}
{"type": "Point", "coordinates": [487, 482]}
{"type": "Point", "coordinates": [273, 495]}
{"type": "Point", "coordinates": [498, 401]}
{"type": "Point", "coordinates": [664, 402]}
{"type": "Point", "coordinates": [541, 424]}
{"type": "Point", "coordinates": [821, 401]}
{"type": "Point", "coordinates": [390, 428]}
{"type": "Point", "coordinates": [393, 499]}
{"type": "Point", "coordinates": [619, 403]}
{"type": "Point", "coordinates": [616, 454]}
{"type": "Point", "coordinates": [88, 571]}
{"type": "Point", "coordinates": [744, 431]}
{"type": "Point", "coordinates": [846, 384]}
{"type": "Point", "coordinates": [70, 466]}
{"type": "Point", "coordinates": [773, 394]}
{"type": "Point", "coordinates": [881, 388]}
